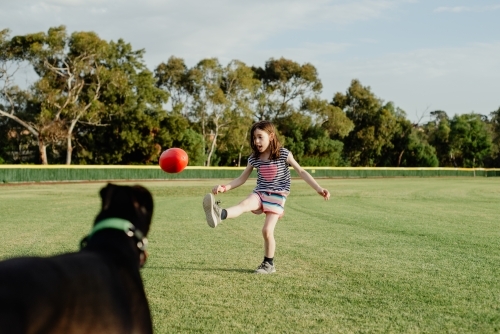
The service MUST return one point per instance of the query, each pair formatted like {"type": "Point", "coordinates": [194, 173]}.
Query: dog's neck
{"type": "Point", "coordinates": [116, 223]}
{"type": "Point", "coordinates": [119, 224]}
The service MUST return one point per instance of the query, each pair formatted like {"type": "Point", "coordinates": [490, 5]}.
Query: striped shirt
{"type": "Point", "coordinates": [272, 175]}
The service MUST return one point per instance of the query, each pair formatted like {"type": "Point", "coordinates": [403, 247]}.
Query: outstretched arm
{"type": "Point", "coordinates": [307, 177]}
{"type": "Point", "coordinates": [234, 183]}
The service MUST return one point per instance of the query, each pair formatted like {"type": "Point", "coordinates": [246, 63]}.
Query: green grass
{"type": "Point", "coordinates": [412, 255]}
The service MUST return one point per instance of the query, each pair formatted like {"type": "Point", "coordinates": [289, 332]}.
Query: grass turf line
{"type": "Point", "coordinates": [383, 255]}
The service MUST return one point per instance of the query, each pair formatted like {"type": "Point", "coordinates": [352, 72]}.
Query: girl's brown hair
{"type": "Point", "coordinates": [274, 143]}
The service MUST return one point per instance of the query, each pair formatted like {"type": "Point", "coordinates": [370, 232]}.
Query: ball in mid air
{"type": "Point", "coordinates": [173, 160]}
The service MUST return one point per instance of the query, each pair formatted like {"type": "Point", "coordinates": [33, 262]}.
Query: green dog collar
{"type": "Point", "coordinates": [116, 223]}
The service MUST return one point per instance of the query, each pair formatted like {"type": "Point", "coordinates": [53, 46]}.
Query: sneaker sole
{"type": "Point", "coordinates": [208, 205]}
{"type": "Point", "coordinates": [262, 272]}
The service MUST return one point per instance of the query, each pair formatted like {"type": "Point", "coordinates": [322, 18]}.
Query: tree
{"type": "Point", "coordinates": [409, 146]}
{"type": "Point", "coordinates": [438, 133]}
{"type": "Point", "coordinates": [15, 103]}
{"type": "Point", "coordinates": [284, 85]}
{"type": "Point", "coordinates": [239, 87]}
{"type": "Point", "coordinates": [209, 102]}
{"type": "Point", "coordinates": [470, 140]}
{"type": "Point", "coordinates": [129, 131]}
{"type": "Point", "coordinates": [178, 132]}
{"type": "Point", "coordinates": [375, 124]}
{"type": "Point", "coordinates": [495, 134]}
{"type": "Point", "coordinates": [173, 77]}
{"type": "Point", "coordinates": [331, 118]}
{"type": "Point", "coordinates": [69, 82]}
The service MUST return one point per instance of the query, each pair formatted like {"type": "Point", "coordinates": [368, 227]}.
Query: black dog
{"type": "Point", "coordinates": [96, 290]}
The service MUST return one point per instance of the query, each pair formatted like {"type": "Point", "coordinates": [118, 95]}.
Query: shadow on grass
{"type": "Point", "coordinates": [202, 269]}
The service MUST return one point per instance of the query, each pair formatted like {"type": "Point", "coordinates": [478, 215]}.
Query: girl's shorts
{"type": "Point", "coordinates": [270, 203]}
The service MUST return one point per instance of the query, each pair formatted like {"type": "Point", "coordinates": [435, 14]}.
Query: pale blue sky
{"type": "Point", "coordinates": [422, 55]}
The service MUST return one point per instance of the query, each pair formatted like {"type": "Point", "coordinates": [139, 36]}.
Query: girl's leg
{"type": "Point", "coordinates": [251, 203]}
{"type": "Point", "coordinates": [268, 234]}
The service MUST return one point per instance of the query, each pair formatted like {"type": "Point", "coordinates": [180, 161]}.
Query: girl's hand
{"type": "Point", "coordinates": [325, 193]}
{"type": "Point", "coordinates": [218, 189]}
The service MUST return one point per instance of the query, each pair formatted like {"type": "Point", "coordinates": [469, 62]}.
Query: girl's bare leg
{"type": "Point", "coordinates": [268, 234]}
{"type": "Point", "coordinates": [252, 202]}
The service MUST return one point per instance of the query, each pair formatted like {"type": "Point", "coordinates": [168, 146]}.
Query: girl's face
{"type": "Point", "coordinates": [262, 139]}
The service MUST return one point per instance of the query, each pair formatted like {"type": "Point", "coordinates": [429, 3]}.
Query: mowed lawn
{"type": "Point", "coordinates": [400, 255]}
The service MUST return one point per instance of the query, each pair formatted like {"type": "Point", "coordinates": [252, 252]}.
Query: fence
{"type": "Point", "coordinates": [58, 173]}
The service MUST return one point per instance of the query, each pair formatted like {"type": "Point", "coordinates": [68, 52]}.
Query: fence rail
{"type": "Point", "coordinates": [61, 173]}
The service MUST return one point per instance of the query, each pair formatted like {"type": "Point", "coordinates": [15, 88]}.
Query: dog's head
{"type": "Point", "coordinates": [132, 203]}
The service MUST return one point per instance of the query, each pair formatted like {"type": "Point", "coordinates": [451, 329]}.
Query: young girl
{"type": "Point", "coordinates": [273, 187]}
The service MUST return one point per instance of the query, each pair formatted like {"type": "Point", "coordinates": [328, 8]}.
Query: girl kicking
{"type": "Point", "coordinates": [273, 187]}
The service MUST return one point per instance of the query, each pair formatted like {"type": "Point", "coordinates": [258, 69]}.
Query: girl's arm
{"type": "Point", "coordinates": [234, 183]}
{"type": "Point", "coordinates": [307, 177]}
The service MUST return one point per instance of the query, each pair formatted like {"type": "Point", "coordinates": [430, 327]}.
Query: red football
{"type": "Point", "coordinates": [173, 160]}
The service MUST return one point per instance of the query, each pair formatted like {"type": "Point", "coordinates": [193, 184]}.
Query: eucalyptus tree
{"type": "Point", "coordinates": [470, 140]}
{"type": "Point", "coordinates": [315, 132]}
{"type": "Point", "coordinates": [15, 104]}
{"type": "Point", "coordinates": [239, 86]}
{"type": "Point", "coordinates": [438, 131]}
{"type": "Point", "coordinates": [374, 125]}
{"type": "Point", "coordinates": [409, 145]}
{"type": "Point", "coordinates": [331, 118]}
{"type": "Point", "coordinates": [173, 77]}
{"type": "Point", "coordinates": [68, 85]}
{"type": "Point", "coordinates": [209, 102]}
{"type": "Point", "coordinates": [130, 130]}
{"type": "Point", "coordinates": [284, 85]}
{"type": "Point", "coordinates": [495, 130]}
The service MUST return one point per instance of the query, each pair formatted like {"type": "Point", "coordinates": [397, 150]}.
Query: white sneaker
{"type": "Point", "coordinates": [265, 268]}
{"type": "Point", "coordinates": [212, 210]}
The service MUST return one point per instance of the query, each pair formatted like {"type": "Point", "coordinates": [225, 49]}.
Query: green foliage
{"type": "Point", "coordinates": [375, 125]}
{"type": "Point", "coordinates": [283, 83]}
{"type": "Point", "coordinates": [95, 102]}
{"type": "Point", "coordinates": [438, 133]}
{"type": "Point", "coordinates": [409, 146]}
{"type": "Point", "coordinates": [175, 131]}
{"type": "Point", "coordinates": [470, 141]}
{"type": "Point", "coordinates": [418, 152]}
{"type": "Point", "coordinates": [323, 151]}
{"type": "Point", "coordinates": [494, 128]}
{"type": "Point", "coordinates": [332, 118]}
{"type": "Point", "coordinates": [130, 128]}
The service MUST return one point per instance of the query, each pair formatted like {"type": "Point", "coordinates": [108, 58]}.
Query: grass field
{"type": "Point", "coordinates": [416, 255]}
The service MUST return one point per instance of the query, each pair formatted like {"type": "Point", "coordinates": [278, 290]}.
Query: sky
{"type": "Point", "coordinates": [421, 55]}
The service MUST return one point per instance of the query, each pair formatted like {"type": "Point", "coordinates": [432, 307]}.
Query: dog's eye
{"type": "Point", "coordinates": [144, 210]}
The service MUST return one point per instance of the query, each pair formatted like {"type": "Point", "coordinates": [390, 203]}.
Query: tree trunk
{"type": "Point", "coordinates": [69, 150]}
{"type": "Point", "coordinates": [42, 148]}
{"type": "Point", "coordinates": [399, 158]}
{"type": "Point", "coordinates": [212, 148]}
{"type": "Point", "coordinates": [69, 146]}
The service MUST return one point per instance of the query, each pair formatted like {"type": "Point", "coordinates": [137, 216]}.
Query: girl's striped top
{"type": "Point", "coordinates": [272, 175]}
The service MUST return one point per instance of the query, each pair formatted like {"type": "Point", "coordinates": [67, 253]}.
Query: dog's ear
{"type": "Point", "coordinates": [106, 195]}
{"type": "Point", "coordinates": [143, 204]}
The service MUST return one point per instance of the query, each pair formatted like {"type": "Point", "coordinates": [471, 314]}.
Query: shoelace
{"type": "Point", "coordinates": [262, 266]}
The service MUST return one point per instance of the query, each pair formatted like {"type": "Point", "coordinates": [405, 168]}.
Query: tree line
{"type": "Point", "coordinates": [92, 101]}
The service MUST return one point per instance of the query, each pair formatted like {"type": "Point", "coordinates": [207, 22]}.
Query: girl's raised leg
{"type": "Point", "coordinates": [251, 203]}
